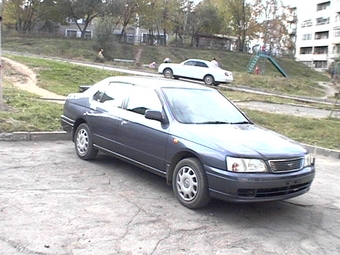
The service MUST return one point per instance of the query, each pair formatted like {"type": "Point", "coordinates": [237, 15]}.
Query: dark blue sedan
{"type": "Point", "coordinates": [192, 135]}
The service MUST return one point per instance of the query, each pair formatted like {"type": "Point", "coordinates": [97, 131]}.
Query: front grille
{"type": "Point", "coordinates": [286, 165]}
{"type": "Point", "coordinates": [273, 192]}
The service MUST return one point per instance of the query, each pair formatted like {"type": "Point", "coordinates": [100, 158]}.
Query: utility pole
{"type": "Point", "coordinates": [1, 95]}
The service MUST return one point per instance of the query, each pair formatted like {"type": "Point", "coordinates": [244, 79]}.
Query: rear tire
{"type": "Point", "coordinates": [83, 143]}
{"type": "Point", "coordinates": [209, 79]}
{"type": "Point", "coordinates": [167, 73]}
{"type": "Point", "coordinates": [189, 183]}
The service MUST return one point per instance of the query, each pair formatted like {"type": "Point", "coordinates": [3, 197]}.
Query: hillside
{"type": "Point", "coordinates": [301, 78]}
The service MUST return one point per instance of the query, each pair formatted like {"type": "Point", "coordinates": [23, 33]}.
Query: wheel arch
{"type": "Point", "coordinates": [76, 125]}
{"type": "Point", "coordinates": [168, 69]}
{"type": "Point", "coordinates": [209, 74]}
{"type": "Point", "coordinates": [177, 158]}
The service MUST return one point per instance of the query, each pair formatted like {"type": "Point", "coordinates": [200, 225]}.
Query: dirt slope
{"type": "Point", "coordinates": [24, 78]}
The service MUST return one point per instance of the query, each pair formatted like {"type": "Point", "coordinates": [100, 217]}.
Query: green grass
{"type": "Point", "coordinates": [28, 113]}
{"type": "Point", "coordinates": [302, 81]}
{"type": "Point", "coordinates": [60, 77]}
{"type": "Point", "coordinates": [320, 132]}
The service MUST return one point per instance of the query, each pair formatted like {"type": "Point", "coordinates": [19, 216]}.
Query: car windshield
{"type": "Point", "coordinates": [202, 106]}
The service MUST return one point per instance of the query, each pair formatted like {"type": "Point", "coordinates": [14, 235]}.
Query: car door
{"type": "Point", "coordinates": [185, 69]}
{"type": "Point", "coordinates": [199, 70]}
{"type": "Point", "coordinates": [144, 140]}
{"type": "Point", "coordinates": [105, 116]}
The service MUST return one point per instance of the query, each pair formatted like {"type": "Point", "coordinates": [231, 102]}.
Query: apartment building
{"type": "Point", "coordinates": [318, 33]}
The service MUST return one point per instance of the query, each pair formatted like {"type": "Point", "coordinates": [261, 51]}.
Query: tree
{"type": "Point", "coordinates": [179, 18]}
{"type": "Point", "coordinates": [238, 19]}
{"type": "Point", "coordinates": [1, 90]}
{"type": "Point", "coordinates": [272, 28]}
{"type": "Point", "coordinates": [204, 19]}
{"type": "Point", "coordinates": [23, 13]}
{"type": "Point", "coordinates": [106, 24]}
{"type": "Point", "coordinates": [83, 12]}
{"type": "Point", "coordinates": [130, 9]}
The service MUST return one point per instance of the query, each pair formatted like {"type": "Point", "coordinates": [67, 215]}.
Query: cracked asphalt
{"type": "Point", "coordinates": [51, 202]}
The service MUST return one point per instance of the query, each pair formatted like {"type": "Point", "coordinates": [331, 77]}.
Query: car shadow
{"type": "Point", "coordinates": [139, 180]}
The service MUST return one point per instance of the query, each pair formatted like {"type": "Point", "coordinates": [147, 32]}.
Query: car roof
{"type": "Point", "coordinates": [156, 82]}
{"type": "Point", "coordinates": [196, 59]}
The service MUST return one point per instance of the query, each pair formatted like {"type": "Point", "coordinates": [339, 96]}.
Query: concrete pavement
{"type": "Point", "coordinates": [51, 202]}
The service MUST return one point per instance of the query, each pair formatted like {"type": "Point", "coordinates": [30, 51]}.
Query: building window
{"type": "Point", "coordinates": [77, 33]}
{"type": "Point", "coordinates": [337, 18]}
{"type": "Point", "coordinates": [321, 35]}
{"type": "Point", "coordinates": [306, 37]}
{"type": "Point", "coordinates": [88, 34]}
{"type": "Point", "coordinates": [320, 64]}
{"type": "Point", "coordinates": [157, 39]}
{"type": "Point", "coordinates": [323, 6]}
{"type": "Point", "coordinates": [129, 38]}
{"type": "Point", "coordinates": [321, 50]}
{"type": "Point", "coordinates": [336, 33]}
{"type": "Point", "coordinates": [72, 20]}
{"type": "Point", "coordinates": [336, 49]}
{"type": "Point", "coordinates": [322, 21]}
{"type": "Point", "coordinates": [307, 23]}
{"type": "Point", "coordinates": [71, 33]}
{"type": "Point", "coordinates": [306, 50]}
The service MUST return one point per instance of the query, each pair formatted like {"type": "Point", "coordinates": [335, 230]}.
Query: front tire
{"type": "Point", "coordinates": [167, 73]}
{"type": "Point", "coordinates": [83, 143]}
{"type": "Point", "coordinates": [209, 79]}
{"type": "Point", "coordinates": [190, 184]}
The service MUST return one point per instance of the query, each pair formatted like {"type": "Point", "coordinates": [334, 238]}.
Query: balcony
{"type": "Point", "coordinates": [322, 21]}
{"type": "Point", "coordinates": [334, 56]}
{"type": "Point", "coordinates": [292, 31]}
{"type": "Point", "coordinates": [336, 6]}
{"type": "Point", "coordinates": [292, 19]}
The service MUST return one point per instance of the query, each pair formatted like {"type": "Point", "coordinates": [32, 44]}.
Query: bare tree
{"type": "Point", "coordinates": [271, 23]}
{"type": "Point", "coordinates": [23, 13]}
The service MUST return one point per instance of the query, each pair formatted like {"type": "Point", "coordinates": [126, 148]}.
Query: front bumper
{"type": "Point", "coordinates": [259, 187]}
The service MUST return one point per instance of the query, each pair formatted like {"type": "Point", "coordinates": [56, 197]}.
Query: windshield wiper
{"type": "Point", "coordinates": [213, 122]}
{"type": "Point", "coordinates": [242, 122]}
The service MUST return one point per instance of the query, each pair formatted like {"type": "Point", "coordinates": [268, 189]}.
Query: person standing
{"type": "Point", "coordinates": [214, 62]}
{"type": "Point", "coordinates": [101, 55]}
{"type": "Point", "coordinates": [257, 70]}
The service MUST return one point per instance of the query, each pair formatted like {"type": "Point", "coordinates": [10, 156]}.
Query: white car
{"type": "Point", "coordinates": [196, 69]}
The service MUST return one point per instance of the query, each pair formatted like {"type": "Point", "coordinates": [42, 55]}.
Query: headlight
{"type": "Point", "coordinates": [308, 160]}
{"type": "Point", "coordinates": [245, 165]}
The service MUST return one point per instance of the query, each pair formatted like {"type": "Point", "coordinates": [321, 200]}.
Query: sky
{"type": "Point", "coordinates": [290, 2]}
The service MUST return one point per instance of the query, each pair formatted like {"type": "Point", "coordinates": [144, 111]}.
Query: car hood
{"type": "Point", "coordinates": [245, 140]}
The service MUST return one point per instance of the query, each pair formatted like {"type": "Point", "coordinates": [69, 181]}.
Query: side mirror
{"type": "Point", "coordinates": [156, 115]}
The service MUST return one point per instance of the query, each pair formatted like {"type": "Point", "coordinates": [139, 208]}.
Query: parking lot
{"type": "Point", "coordinates": [51, 202]}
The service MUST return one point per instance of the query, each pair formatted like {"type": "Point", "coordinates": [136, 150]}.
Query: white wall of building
{"type": "Point", "coordinates": [318, 33]}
